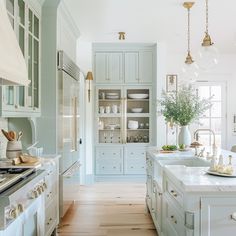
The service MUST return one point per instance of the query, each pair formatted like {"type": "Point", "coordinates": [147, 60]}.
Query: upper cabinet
{"type": "Point", "coordinates": [138, 67]}
{"type": "Point", "coordinates": [126, 66]}
{"type": "Point", "coordinates": [109, 67]}
{"type": "Point", "coordinates": [19, 100]}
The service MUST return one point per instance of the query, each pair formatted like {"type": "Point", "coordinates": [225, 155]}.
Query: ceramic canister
{"type": "Point", "coordinates": [14, 149]}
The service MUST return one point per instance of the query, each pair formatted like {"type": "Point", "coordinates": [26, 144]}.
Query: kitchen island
{"type": "Point", "coordinates": [184, 200]}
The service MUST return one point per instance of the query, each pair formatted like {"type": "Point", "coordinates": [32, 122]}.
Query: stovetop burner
{"type": "Point", "coordinates": [11, 176]}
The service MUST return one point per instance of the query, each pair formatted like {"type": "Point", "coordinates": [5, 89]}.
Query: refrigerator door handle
{"type": "Point", "coordinates": [75, 124]}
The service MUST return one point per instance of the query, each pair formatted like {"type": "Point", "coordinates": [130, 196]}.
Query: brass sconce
{"type": "Point", "coordinates": [89, 78]}
{"type": "Point", "coordinates": [121, 35]}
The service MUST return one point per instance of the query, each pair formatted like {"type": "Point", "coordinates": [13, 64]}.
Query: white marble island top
{"type": "Point", "coordinates": [195, 179]}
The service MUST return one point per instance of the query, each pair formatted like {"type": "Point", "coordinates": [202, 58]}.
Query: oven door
{"type": "Point", "coordinates": [33, 221]}
{"type": "Point", "coordinates": [69, 187]}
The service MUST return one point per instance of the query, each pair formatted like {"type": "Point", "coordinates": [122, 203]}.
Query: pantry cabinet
{"type": "Point", "coordinates": [124, 111]}
{"type": "Point", "coordinates": [20, 101]}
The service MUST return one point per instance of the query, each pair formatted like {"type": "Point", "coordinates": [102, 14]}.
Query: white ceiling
{"type": "Point", "coordinates": [155, 20]}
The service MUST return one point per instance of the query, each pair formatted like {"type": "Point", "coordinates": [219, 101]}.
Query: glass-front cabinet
{"type": "Point", "coordinates": [19, 100]}
{"type": "Point", "coordinates": [123, 115]}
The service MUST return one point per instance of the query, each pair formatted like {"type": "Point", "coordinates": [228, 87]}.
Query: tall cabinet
{"type": "Point", "coordinates": [25, 17]}
{"type": "Point", "coordinates": [124, 108]}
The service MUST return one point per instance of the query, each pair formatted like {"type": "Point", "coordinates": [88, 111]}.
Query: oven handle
{"type": "Point", "coordinates": [72, 170]}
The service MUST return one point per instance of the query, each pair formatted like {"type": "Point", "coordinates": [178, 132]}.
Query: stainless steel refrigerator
{"type": "Point", "coordinates": [69, 140]}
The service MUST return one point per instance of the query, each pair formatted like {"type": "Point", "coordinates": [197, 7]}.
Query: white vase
{"type": "Point", "coordinates": [184, 136]}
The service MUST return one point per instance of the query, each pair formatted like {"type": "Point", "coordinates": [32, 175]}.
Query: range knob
{"type": "Point", "coordinates": [33, 194]}
{"type": "Point", "coordinates": [39, 190]}
{"type": "Point", "coordinates": [45, 185]}
{"type": "Point", "coordinates": [12, 213]}
{"type": "Point", "coordinates": [20, 208]}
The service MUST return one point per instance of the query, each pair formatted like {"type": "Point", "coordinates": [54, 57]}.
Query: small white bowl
{"type": "Point", "coordinates": [138, 95]}
{"type": "Point", "coordinates": [132, 124]}
{"type": "Point", "coordinates": [137, 110]}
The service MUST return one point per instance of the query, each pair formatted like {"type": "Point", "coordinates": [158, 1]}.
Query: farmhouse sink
{"type": "Point", "coordinates": [195, 162]}
{"type": "Point", "coordinates": [159, 166]}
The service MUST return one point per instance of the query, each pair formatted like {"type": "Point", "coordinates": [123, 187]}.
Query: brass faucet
{"type": "Point", "coordinates": [214, 148]}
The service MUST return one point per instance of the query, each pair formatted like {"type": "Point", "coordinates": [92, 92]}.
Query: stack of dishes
{"type": "Point", "coordinates": [112, 95]}
{"type": "Point", "coordinates": [138, 95]}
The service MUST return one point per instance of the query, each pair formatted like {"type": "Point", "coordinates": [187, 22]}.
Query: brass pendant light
{"type": "Point", "coordinates": [188, 5]}
{"type": "Point", "coordinates": [208, 53]}
{"type": "Point", "coordinates": [207, 38]}
{"type": "Point", "coordinates": [189, 68]}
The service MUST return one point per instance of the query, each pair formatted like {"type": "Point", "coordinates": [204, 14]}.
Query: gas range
{"type": "Point", "coordinates": [20, 188]}
{"type": "Point", "coordinates": [11, 176]}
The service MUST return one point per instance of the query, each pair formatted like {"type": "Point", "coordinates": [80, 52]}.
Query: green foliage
{"type": "Point", "coordinates": [184, 107]}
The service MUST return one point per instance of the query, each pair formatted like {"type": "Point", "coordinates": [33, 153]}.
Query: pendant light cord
{"type": "Point", "coordinates": [188, 30]}
{"type": "Point", "coordinates": [207, 14]}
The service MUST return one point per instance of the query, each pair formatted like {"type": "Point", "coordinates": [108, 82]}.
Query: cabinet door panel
{"type": "Point", "coordinates": [216, 216]}
{"type": "Point", "coordinates": [115, 68]}
{"type": "Point", "coordinates": [101, 75]}
{"type": "Point", "coordinates": [145, 67]}
{"type": "Point", "coordinates": [131, 67]}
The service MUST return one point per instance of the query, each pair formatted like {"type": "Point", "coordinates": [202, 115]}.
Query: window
{"type": "Point", "coordinates": [215, 117]}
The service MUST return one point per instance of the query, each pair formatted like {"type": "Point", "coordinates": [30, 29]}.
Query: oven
{"type": "Point", "coordinates": [22, 210]}
{"type": "Point", "coordinates": [69, 187]}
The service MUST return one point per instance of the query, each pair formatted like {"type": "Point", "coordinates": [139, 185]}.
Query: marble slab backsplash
{"type": "Point", "coordinates": [3, 140]}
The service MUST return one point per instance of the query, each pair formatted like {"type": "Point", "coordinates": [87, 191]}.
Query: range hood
{"type": "Point", "coordinates": [13, 70]}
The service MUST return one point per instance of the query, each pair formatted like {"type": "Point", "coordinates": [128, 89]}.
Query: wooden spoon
{"type": "Point", "coordinates": [5, 133]}
{"type": "Point", "coordinates": [19, 135]}
{"type": "Point", "coordinates": [12, 135]}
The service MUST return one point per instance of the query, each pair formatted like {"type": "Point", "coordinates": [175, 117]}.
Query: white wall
{"type": "Point", "coordinates": [84, 60]}
{"type": "Point", "coordinates": [224, 71]}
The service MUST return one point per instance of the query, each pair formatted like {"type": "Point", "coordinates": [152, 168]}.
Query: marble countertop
{"type": "Point", "coordinates": [157, 155]}
{"type": "Point", "coordinates": [195, 179]}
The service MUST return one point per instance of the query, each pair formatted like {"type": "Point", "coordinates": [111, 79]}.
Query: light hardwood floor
{"type": "Point", "coordinates": [108, 209]}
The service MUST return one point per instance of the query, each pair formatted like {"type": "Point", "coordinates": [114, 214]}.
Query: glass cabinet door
{"type": "Point", "coordinates": [33, 61]}
{"type": "Point", "coordinates": [109, 115]}
{"type": "Point", "coordinates": [137, 116]}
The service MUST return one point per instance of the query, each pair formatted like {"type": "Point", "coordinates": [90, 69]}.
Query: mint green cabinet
{"type": "Point", "coordinates": [109, 67]}
{"type": "Point", "coordinates": [138, 67]}
{"type": "Point", "coordinates": [19, 100]}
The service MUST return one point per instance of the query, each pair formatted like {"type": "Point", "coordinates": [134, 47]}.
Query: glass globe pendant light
{"type": "Point", "coordinates": [189, 69]}
{"type": "Point", "coordinates": [208, 54]}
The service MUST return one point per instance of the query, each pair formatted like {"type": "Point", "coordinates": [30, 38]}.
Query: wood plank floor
{"type": "Point", "coordinates": [108, 209]}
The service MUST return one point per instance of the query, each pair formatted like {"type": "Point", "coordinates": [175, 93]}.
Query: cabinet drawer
{"type": "Point", "coordinates": [50, 218]}
{"type": "Point", "coordinates": [132, 167]}
{"type": "Point", "coordinates": [175, 194]}
{"type": "Point", "coordinates": [109, 153]}
{"type": "Point", "coordinates": [174, 218]}
{"type": "Point", "coordinates": [108, 167]}
{"type": "Point", "coordinates": [134, 153]}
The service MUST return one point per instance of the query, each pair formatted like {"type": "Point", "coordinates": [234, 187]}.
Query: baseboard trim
{"type": "Point", "coordinates": [118, 178]}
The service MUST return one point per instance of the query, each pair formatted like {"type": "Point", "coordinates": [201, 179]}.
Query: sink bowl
{"type": "Point", "coordinates": [196, 162]}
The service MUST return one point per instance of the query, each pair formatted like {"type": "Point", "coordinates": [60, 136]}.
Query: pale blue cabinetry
{"type": "Point", "coordinates": [134, 160]}
{"type": "Point", "coordinates": [138, 67]}
{"type": "Point", "coordinates": [109, 160]}
{"type": "Point", "coordinates": [124, 107]}
{"type": "Point", "coordinates": [26, 21]}
{"type": "Point", "coordinates": [218, 216]}
{"type": "Point", "coordinates": [109, 67]}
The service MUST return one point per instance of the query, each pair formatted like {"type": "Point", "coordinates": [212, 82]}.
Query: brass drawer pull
{"type": "Point", "coordinates": [174, 193]}
{"type": "Point", "coordinates": [233, 216]}
{"type": "Point", "coordinates": [173, 219]}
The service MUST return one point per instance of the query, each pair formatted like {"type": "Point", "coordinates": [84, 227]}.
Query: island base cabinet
{"type": "Point", "coordinates": [173, 220]}
{"type": "Point", "coordinates": [218, 216]}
